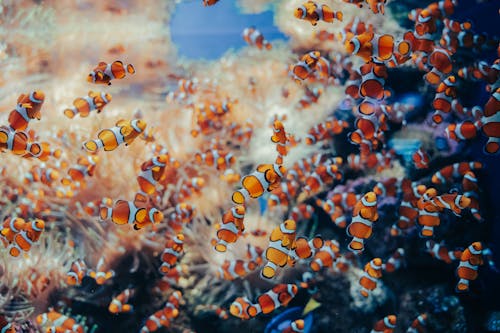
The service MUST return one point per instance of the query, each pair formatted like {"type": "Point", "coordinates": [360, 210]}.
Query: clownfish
{"type": "Point", "coordinates": [372, 272]}
{"type": "Point", "coordinates": [11, 227]}
{"type": "Point", "coordinates": [231, 227]}
{"type": "Point", "coordinates": [280, 139]}
{"type": "Point", "coordinates": [161, 318]}
{"type": "Point", "coordinates": [296, 326]}
{"type": "Point", "coordinates": [57, 322]}
{"type": "Point", "coordinates": [418, 325]}
{"type": "Point", "coordinates": [381, 47]}
{"type": "Point", "coordinates": [283, 195]}
{"type": "Point", "coordinates": [446, 174]}
{"type": "Point", "coordinates": [18, 143]}
{"type": "Point", "coordinates": [467, 269]}
{"type": "Point", "coordinates": [84, 105]}
{"type": "Point", "coordinates": [454, 202]}
{"type": "Point", "coordinates": [441, 252]}
{"type": "Point", "coordinates": [281, 241]}
{"type": "Point", "coordinates": [471, 191]}
{"type": "Point", "coordinates": [465, 130]}
{"type": "Point", "coordinates": [336, 212]}
{"type": "Point", "coordinates": [428, 213]}
{"type": "Point", "coordinates": [119, 303]}
{"type": "Point", "coordinates": [490, 123]}
{"type": "Point", "coordinates": [125, 131]}
{"type": "Point", "coordinates": [279, 295]}
{"type": "Point", "coordinates": [443, 100]}
{"type": "Point", "coordinates": [304, 249]}
{"type": "Point", "coordinates": [323, 174]}
{"type": "Point", "coordinates": [24, 239]}
{"type": "Point", "coordinates": [373, 76]}
{"type": "Point", "coordinates": [266, 178]}
{"type": "Point", "coordinates": [85, 167]}
{"type": "Point", "coordinates": [306, 66]}
{"type": "Point", "coordinates": [301, 212]}
{"type": "Point", "coordinates": [240, 308]}
{"type": "Point", "coordinates": [209, 2]}
{"type": "Point", "coordinates": [313, 12]}
{"type": "Point", "coordinates": [104, 73]}
{"type": "Point", "coordinates": [28, 107]}
{"type": "Point", "coordinates": [387, 187]}
{"type": "Point", "coordinates": [441, 63]}
{"type": "Point", "coordinates": [233, 269]}
{"type": "Point", "coordinates": [152, 172]}
{"type": "Point", "coordinates": [363, 216]}
{"type": "Point", "coordinates": [254, 37]}
{"type": "Point", "coordinates": [126, 212]}
{"type": "Point", "coordinates": [326, 256]}
{"type": "Point", "coordinates": [76, 273]}
{"type": "Point", "coordinates": [310, 97]}
{"type": "Point", "coordinates": [183, 214]}
{"type": "Point", "coordinates": [377, 6]}
{"type": "Point", "coordinates": [394, 261]}
{"type": "Point", "coordinates": [386, 325]}
{"type": "Point", "coordinates": [100, 275]}
{"type": "Point", "coordinates": [218, 158]}
{"type": "Point", "coordinates": [173, 250]}
{"type": "Point", "coordinates": [420, 159]}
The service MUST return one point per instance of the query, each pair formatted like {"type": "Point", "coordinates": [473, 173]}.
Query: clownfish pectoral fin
{"type": "Point", "coordinates": [26, 106]}
{"type": "Point", "coordinates": [130, 69]}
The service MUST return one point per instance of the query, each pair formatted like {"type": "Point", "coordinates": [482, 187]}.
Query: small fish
{"type": "Point", "coordinates": [467, 269]}
{"type": "Point", "coordinates": [231, 227]}
{"type": "Point", "coordinates": [490, 123]}
{"type": "Point", "coordinates": [326, 256]}
{"type": "Point", "coordinates": [304, 249]}
{"type": "Point", "coordinates": [372, 272]}
{"type": "Point", "coordinates": [29, 235]}
{"type": "Point", "coordinates": [465, 130]}
{"type": "Point", "coordinates": [314, 12]}
{"type": "Point", "coordinates": [386, 325]}
{"type": "Point", "coordinates": [296, 326]}
{"type": "Point", "coordinates": [76, 273]}
{"type": "Point", "coordinates": [456, 170]}
{"type": "Point", "coordinates": [84, 167]}
{"type": "Point", "coordinates": [445, 94]}
{"type": "Point", "coordinates": [441, 63]}
{"type": "Point", "coordinates": [281, 241]}
{"type": "Point", "coordinates": [418, 325]}
{"type": "Point", "coordinates": [54, 321]}
{"type": "Point", "coordinates": [209, 2]}
{"type": "Point", "coordinates": [173, 250]}
{"type": "Point", "coordinates": [306, 66]}
{"type": "Point", "coordinates": [363, 216]}
{"type": "Point", "coordinates": [280, 139]}
{"type": "Point", "coordinates": [471, 190]}
{"type": "Point", "coordinates": [234, 269]}
{"type": "Point", "coordinates": [420, 159]}
{"type": "Point", "coordinates": [28, 107]}
{"type": "Point", "coordinates": [18, 143]}
{"type": "Point", "coordinates": [428, 213]}
{"type": "Point", "coordinates": [440, 251]}
{"type": "Point", "coordinates": [254, 37]}
{"type": "Point", "coordinates": [240, 308]}
{"type": "Point", "coordinates": [104, 73]}
{"type": "Point", "coordinates": [126, 212]}
{"type": "Point", "coordinates": [377, 6]}
{"type": "Point", "coordinates": [265, 179]}
{"type": "Point", "coordinates": [119, 303]}
{"type": "Point", "coordinates": [125, 131]}
{"type": "Point", "coordinates": [84, 105]}
{"type": "Point", "coordinates": [380, 47]}
{"type": "Point", "coordinates": [301, 212]}
{"type": "Point", "coordinates": [100, 275]}
{"type": "Point", "coordinates": [394, 261]}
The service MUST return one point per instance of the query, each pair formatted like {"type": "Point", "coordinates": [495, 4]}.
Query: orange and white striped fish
{"type": "Point", "coordinates": [162, 317]}
{"type": "Point", "coordinates": [323, 174]}
{"type": "Point", "coordinates": [420, 159]}
{"type": "Point", "coordinates": [377, 6]}
{"type": "Point", "coordinates": [124, 131]}
{"type": "Point", "coordinates": [54, 321]}
{"type": "Point", "coordinates": [104, 73]}
{"type": "Point", "coordinates": [152, 172]}
{"type": "Point", "coordinates": [465, 130]}
{"type": "Point", "coordinates": [314, 12]}
{"type": "Point", "coordinates": [394, 261]}
{"type": "Point", "coordinates": [471, 190]}
{"type": "Point", "coordinates": [471, 258]}
{"type": "Point", "coordinates": [126, 212]}
{"type": "Point", "coordinates": [25, 239]}
{"type": "Point", "coordinates": [85, 167]}
{"type": "Point", "coordinates": [301, 212]}
{"type": "Point", "coordinates": [281, 241]}
{"type": "Point", "coordinates": [221, 160]}
{"type": "Point", "coordinates": [119, 304]}
{"type": "Point", "coordinates": [440, 251]}
{"type": "Point", "coordinates": [240, 307]}
{"type": "Point", "coordinates": [388, 187]}
{"type": "Point", "coordinates": [18, 143]}
{"type": "Point", "coordinates": [428, 213]}
{"type": "Point", "coordinates": [363, 216]}
{"type": "Point", "coordinates": [385, 325]}
{"type": "Point", "coordinates": [456, 170]}
{"type": "Point", "coordinates": [280, 139]}
{"type": "Point", "coordinates": [254, 37]}
{"type": "Point", "coordinates": [173, 250]}
{"type": "Point", "coordinates": [84, 105]}
{"type": "Point", "coordinates": [381, 47]}
{"type": "Point", "coordinates": [441, 63]}
{"type": "Point", "coordinates": [418, 325]}
{"type": "Point", "coordinates": [304, 249]}
{"type": "Point", "coordinates": [372, 273]}
{"type": "Point", "coordinates": [280, 295]}
{"type": "Point", "coordinates": [234, 269]}
{"type": "Point", "coordinates": [266, 178]}
{"type": "Point", "coordinates": [232, 225]}
{"type": "Point", "coordinates": [336, 212]}
{"type": "Point", "coordinates": [100, 275]}
{"type": "Point", "coordinates": [11, 227]}
{"type": "Point", "coordinates": [77, 272]}
{"type": "Point", "coordinates": [443, 100]}
{"type": "Point", "coordinates": [491, 123]}
{"type": "Point", "coordinates": [306, 66]}
{"type": "Point", "coordinates": [28, 107]}
{"type": "Point", "coordinates": [454, 202]}
{"type": "Point", "coordinates": [326, 256]}
{"type": "Point", "coordinates": [296, 326]}
{"type": "Point", "coordinates": [183, 214]}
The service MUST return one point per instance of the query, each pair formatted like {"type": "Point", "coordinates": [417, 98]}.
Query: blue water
{"type": "Point", "coordinates": [208, 32]}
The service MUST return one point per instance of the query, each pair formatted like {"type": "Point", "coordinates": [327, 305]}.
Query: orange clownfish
{"type": "Point", "coordinates": [376, 6]}
{"type": "Point", "coordinates": [84, 105]}
{"type": "Point", "coordinates": [183, 214]}
{"type": "Point", "coordinates": [18, 143]}
{"type": "Point", "coordinates": [443, 100]}
{"type": "Point", "coordinates": [100, 275]}
{"type": "Point", "coordinates": [313, 12]}
{"type": "Point", "coordinates": [27, 108]}
{"type": "Point", "coordinates": [232, 225]}
{"type": "Point", "coordinates": [467, 269]}
{"type": "Point", "coordinates": [322, 175]}
{"type": "Point", "coordinates": [454, 202]}
{"type": "Point", "coordinates": [373, 76]}
{"type": "Point", "coordinates": [387, 187]}
{"type": "Point", "coordinates": [440, 60]}
{"type": "Point", "coordinates": [233, 269]}
{"type": "Point", "coordinates": [254, 37]}
{"type": "Point", "coordinates": [301, 212]}
{"type": "Point", "coordinates": [267, 177]}
{"type": "Point", "coordinates": [280, 139]}
{"type": "Point", "coordinates": [11, 227]}
{"type": "Point", "coordinates": [371, 274]}
{"type": "Point", "coordinates": [218, 158]}
{"type": "Point", "coordinates": [209, 2]}
{"type": "Point", "coordinates": [279, 295]}
{"type": "Point", "coordinates": [394, 261]}
{"type": "Point", "coordinates": [76, 273]}
{"type": "Point", "coordinates": [296, 326]}
{"type": "Point", "coordinates": [471, 190]}
{"type": "Point", "coordinates": [104, 73]}
{"type": "Point", "coordinates": [240, 308]}
{"type": "Point", "coordinates": [304, 249]}
{"type": "Point", "coordinates": [155, 321]}
{"type": "Point", "coordinates": [326, 256]}
{"type": "Point", "coordinates": [428, 213]}
{"type": "Point", "coordinates": [126, 212]}
{"type": "Point", "coordinates": [386, 325]}
{"type": "Point", "coordinates": [125, 131]}
{"type": "Point", "coordinates": [281, 241]}
{"type": "Point", "coordinates": [85, 167]}
{"type": "Point", "coordinates": [152, 172]}
{"type": "Point", "coordinates": [421, 159]}
{"type": "Point", "coordinates": [306, 66]}
{"type": "Point", "coordinates": [364, 215]}
{"type": "Point", "coordinates": [29, 235]}
{"type": "Point", "coordinates": [336, 212]}
{"type": "Point", "coordinates": [57, 322]}
{"type": "Point", "coordinates": [171, 253]}
{"type": "Point", "coordinates": [491, 122]}
{"type": "Point", "coordinates": [119, 303]}
{"type": "Point", "coordinates": [465, 130]}
{"type": "Point", "coordinates": [441, 252]}
{"type": "Point", "coordinates": [381, 47]}
{"type": "Point", "coordinates": [446, 174]}
{"type": "Point", "coordinates": [418, 325]}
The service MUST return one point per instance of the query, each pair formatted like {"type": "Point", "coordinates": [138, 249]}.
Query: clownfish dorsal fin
{"type": "Point", "coordinates": [102, 63]}
{"type": "Point", "coordinates": [311, 305]}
